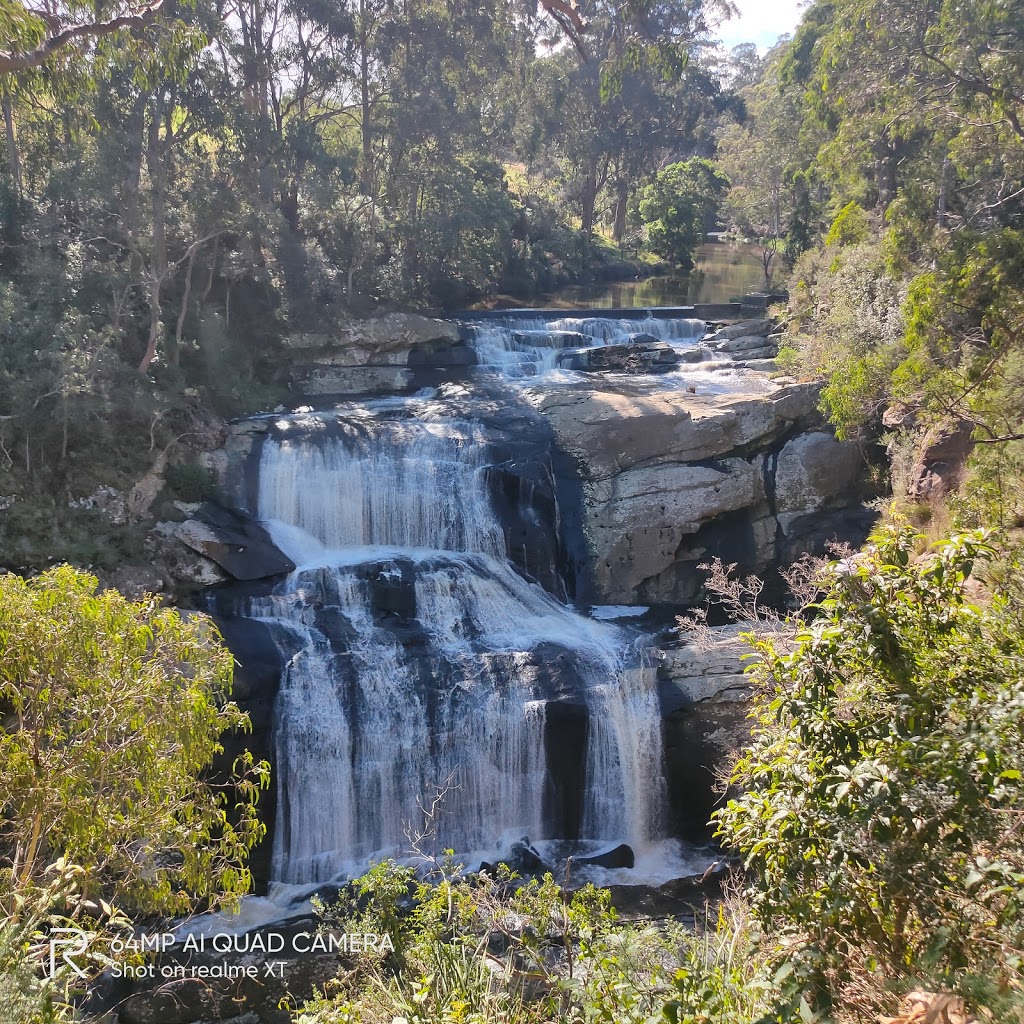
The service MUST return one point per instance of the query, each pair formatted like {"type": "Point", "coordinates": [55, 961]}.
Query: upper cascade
{"type": "Point", "coordinates": [521, 347]}
{"type": "Point", "coordinates": [377, 482]}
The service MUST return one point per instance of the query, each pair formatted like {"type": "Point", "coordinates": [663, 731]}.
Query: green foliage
{"type": "Point", "coordinates": [189, 481]}
{"type": "Point", "coordinates": [850, 227]}
{"type": "Point", "coordinates": [487, 949]}
{"type": "Point", "coordinates": [680, 206]}
{"type": "Point", "coordinates": [723, 973]}
{"type": "Point", "coordinates": [853, 331]}
{"type": "Point", "coordinates": [114, 713]}
{"type": "Point", "coordinates": [882, 795]}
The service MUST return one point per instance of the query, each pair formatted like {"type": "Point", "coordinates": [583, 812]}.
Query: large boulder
{"type": "Point", "coordinates": [238, 544]}
{"type": "Point", "coordinates": [213, 545]}
{"type": "Point", "coordinates": [671, 479]}
{"type": "Point", "coordinates": [761, 327]}
{"type": "Point", "coordinates": [650, 356]}
{"type": "Point", "coordinates": [745, 343]}
{"type": "Point", "coordinates": [753, 354]}
{"type": "Point", "coordinates": [814, 470]}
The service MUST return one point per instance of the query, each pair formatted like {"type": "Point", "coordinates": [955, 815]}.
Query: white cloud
{"type": "Point", "coordinates": [761, 22]}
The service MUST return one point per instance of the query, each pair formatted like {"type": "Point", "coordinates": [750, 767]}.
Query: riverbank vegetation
{"type": "Point", "coordinates": [185, 186]}
{"type": "Point", "coordinates": [883, 148]}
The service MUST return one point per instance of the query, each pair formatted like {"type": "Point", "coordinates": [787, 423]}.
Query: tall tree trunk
{"type": "Point", "coordinates": [940, 218]}
{"type": "Point", "coordinates": [412, 251]}
{"type": "Point", "coordinates": [13, 156]}
{"type": "Point", "coordinates": [156, 164]}
{"type": "Point", "coordinates": [134, 153]}
{"type": "Point", "coordinates": [589, 199]}
{"type": "Point", "coordinates": [621, 199]}
{"type": "Point", "coordinates": [887, 154]}
{"type": "Point", "coordinates": [366, 130]}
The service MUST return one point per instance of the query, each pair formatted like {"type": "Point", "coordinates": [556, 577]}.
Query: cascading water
{"type": "Point", "coordinates": [418, 658]}
{"type": "Point", "coordinates": [519, 347]}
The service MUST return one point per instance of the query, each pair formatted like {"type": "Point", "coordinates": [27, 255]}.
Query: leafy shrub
{"type": "Point", "coordinates": [190, 481]}
{"type": "Point", "coordinates": [852, 330]}
{"type": "Point", "coordinates": [679, 206]}
{"type": "Point", "coordinates": [113, 712]}
{"type": "Point", "coordinates": [494, 949]}
{"type": "Point", "coordinates": [850, 227]}
{"type": "Point", "coordinates": [882, 794]}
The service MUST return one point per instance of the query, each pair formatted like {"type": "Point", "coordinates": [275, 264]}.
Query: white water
{"type": "Point", "coordinates": [371, 719]}
{"type": "Point", "coordinates": [522, 347]}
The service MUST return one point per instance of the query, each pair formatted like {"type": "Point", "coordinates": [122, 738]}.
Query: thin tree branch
{"type": "Point", "coordinates": [12, 62]}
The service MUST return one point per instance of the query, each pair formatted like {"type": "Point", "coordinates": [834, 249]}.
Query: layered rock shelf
{"type": "Point", "coordinates": [671, 479]}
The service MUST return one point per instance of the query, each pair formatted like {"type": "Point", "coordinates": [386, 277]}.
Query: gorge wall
{"type": "Point", "coordinates": [671, 479]}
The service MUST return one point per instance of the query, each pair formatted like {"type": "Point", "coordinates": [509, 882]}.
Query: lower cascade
{"type": "Point", "coordinates": [420, 662]}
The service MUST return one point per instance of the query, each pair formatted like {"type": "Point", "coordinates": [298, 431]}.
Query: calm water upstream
{"type": "Point", "coordinates": [724, 271]}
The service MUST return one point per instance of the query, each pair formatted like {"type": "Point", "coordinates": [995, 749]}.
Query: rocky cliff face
{"type": "Point", "coordinates": [381, 354]}
{"type": "Point", "coordinates": [704, 693]}
{"type": "Point", "coordinates": [671, 479]}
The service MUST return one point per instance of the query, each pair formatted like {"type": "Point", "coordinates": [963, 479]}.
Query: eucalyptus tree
{"type": "Point", "coordinates": [613, 121]}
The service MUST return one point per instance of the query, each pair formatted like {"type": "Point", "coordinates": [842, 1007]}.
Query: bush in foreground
{"type": "Point", "coordinates": [111, 714]}
{"type": "Point", "coordinates": [882, 799]}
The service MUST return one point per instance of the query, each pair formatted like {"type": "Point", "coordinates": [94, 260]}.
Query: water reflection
{"type": "Point", "coordinates": [723, 272]}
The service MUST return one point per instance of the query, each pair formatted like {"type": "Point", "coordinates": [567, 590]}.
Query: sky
{"type": "Point", "coordinates": [761, 22]}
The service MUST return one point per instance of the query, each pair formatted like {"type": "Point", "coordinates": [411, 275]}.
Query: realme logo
{"type": "Point", "coordinates": [66, 943]}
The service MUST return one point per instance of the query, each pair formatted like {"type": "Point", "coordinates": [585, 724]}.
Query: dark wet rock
{"type": "Point", "coordinates": [651, 356]}
{"type": "Point", "coordinates": [442, 353]}
{"type": "Point", "coordinates": [525, 860]}
{"type": "Point", "coordinates": [551, 339]}
{"type": "Point", "coordinates": [621, 856]}
{"type": "Point", "coordinates": [236, 543]}
{"type": "Point", "coordinates": [680, 898]}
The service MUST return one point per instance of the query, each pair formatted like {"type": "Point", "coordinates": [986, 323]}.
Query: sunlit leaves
{"type": "Point", "coordinates": [885, 769]}
{"type": "Point", "coordinates": [114, 713]}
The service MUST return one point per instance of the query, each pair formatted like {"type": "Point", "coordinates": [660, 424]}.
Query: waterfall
{"type": "Point", "coordinates": [419, 659]}
{"type": "Point", "coordinates": [518, 347]}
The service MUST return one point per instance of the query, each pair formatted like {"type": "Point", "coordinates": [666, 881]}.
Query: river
{"type": "Point", "coordinates": [724, 271]}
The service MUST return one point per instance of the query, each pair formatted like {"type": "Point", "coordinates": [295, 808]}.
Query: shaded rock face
{"type": "Point", "coordinates": [941, 461]}
{"type": "Point", "coordinates": [385, 354]}
{"type": "Point", "coordinates": [671, 480]}
{"type": "Point", "coordinates": [377, 341]}
{"type": "Point", "coordinates": [704, 694]}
